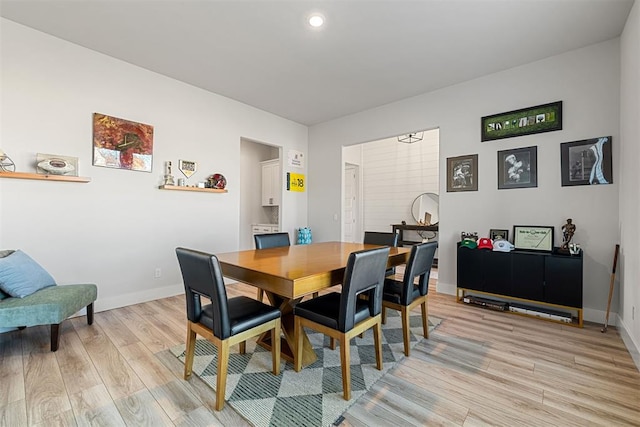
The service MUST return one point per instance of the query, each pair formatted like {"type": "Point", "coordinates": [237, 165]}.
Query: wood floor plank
{"type": "Point", "coordinates": [141, 409]}
{"type": "Point", "coordinates": [64, 419]}
{"type": "Point", "coordinates": [113, 325]}
{"type": "Point", "coordinates": [45, 393]}
{"type": "Point", "coordinates": [94, 406]}
{"type": "Point", "coordinates": [596, 413]}
{"type": "Point", "coordinates": [201, 391]}
{"type": "Point", "coordinates": [175, 399]}
{"type": "Point", "coordinates": [147, 332]}
{"type": "Point", "coordinates": [150, 370]}
{"type": "Point", "coordinates": [11, 368]}
{"type": "Point", "coordinates": [118, 377]}
{"type": "Point", "coordinates": [76, 367]}
{"type": "Point", "coordinates": [13, 413]}
{"type": "Point", "coordinates": [200, 416]}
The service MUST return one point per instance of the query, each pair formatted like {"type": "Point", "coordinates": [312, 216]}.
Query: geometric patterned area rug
{"type": "Point", "coordinates": [313, 396]}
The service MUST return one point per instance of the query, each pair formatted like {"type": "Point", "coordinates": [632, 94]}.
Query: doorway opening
{"type": "Point", "coordinates": [389, 175]}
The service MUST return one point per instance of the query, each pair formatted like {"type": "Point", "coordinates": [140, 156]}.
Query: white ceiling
{"type": "Point", "coordinates": [369, 53]}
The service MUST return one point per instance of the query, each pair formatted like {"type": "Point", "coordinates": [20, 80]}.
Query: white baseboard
{"type": "Point", "coordinates": [629, 342]}
{"type": "Point", "coordinates": [124, 300]}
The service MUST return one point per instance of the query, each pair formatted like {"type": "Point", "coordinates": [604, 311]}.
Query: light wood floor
{"type": "Point", "coordinates": [478, 368]}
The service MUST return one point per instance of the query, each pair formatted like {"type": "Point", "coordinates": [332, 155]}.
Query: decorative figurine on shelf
{"type": "Point", "coordinates": [168, 178]}
{"type": "Point", "coordinates": [217, 180]}
{"type": "Point", "coordinates": [6, 164]}
{"type": "Point", "coordinates": [567, 234]}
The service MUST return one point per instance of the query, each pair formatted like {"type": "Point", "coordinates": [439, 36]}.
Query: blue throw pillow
{"type": "Point", "coordinates": [21, 276]}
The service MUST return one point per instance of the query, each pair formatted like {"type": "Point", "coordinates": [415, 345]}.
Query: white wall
{"type": "Point", "coordinates": [586, 80]}
{"type": "Point", "coordinates": [629, 267]}
{"type": "Point", "coordinates": [117, 229]}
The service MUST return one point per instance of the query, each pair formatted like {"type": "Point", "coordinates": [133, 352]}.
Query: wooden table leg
{"type": "Point", "coordinates": [288, 343]}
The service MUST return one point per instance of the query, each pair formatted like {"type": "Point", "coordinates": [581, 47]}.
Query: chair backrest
{"type": "Point", "coordinates": [364, 273]}
{"type": "Point", "coordinates": [271, 240]}
{"type": "Point", "coordinates": [380, 238]}
{"type": "Point", "coordinates": [202, 276]}
{"type": "Point", "coordinates": [419, 265]}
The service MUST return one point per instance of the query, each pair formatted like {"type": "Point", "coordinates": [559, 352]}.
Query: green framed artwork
{"type": "Point", "coordinates": [526, 121]}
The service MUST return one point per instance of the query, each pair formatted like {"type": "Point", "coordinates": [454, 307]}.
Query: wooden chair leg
{"type": "Point", "coordinates": [345, 361]}
{"type": "Point", "coordinates": [55, 336]}
{"type": "Point", "coordinates": [377, 338]}
{"type": "Point", "coordinates": [425, 318]}
{"type": "Point", "coordinates": [405, 329]}
{"type": "Point", "coordinates": [384, 315]}
{"type": "Point", "coordinates": [242, 347]}
{"type": "Point", "coordinates": [332, 343]}
{"type": "Point", "coordinates": [189, 351]}
{"type": "Point", "coordinates": [90, 314]}
{"type": "Point", "coordinates": [275, 348]}
{"type": "Point", "coordinates": [297, 338]}
{"type": "Point", "coordinates": [223, 367]}
{"type": "Point", "coordinates": [260, 295]}
{"type": "Point", "coordinates": [315, 295]}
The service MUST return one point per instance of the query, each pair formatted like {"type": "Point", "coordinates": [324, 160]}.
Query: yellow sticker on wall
{"type": "Point", "coordinates": [295, 182]}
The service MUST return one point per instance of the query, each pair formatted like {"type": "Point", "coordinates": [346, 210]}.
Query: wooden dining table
{"type": "Point", "coordinates": [288, 274]}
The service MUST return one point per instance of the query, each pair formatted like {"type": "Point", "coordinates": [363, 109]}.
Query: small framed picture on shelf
{"type": "Point", "coordinates": [533, 238]}
{"type": "Point", "coordinates": [497, 234]}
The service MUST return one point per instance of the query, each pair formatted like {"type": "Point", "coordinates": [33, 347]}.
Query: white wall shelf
{"type": "Point", "coordinates": [26, 175]}
{"type": "Point", "coordinates": [203, 190]}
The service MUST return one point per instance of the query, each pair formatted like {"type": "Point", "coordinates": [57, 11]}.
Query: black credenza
{"type": "Point", "coordinates": [553, 279]}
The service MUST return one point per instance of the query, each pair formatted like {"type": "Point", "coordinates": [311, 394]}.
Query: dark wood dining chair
{"type": "Point", "coordinates": [382, 239]}
{"type": "Point", "coordinates": [405, 295]}
{"type": "Point", "coordinates": [270, 240]}
{"type": "Point", "coordinates": [344, 315]}
{"type": "Point", "coordinates": [224, 322]}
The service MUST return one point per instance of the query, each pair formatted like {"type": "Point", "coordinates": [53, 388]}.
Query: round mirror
{"type": "Point", "coordinates": [425, 209]}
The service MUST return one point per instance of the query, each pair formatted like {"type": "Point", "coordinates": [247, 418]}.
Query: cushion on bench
{"type": "Point", "coordinates": [47, 306]}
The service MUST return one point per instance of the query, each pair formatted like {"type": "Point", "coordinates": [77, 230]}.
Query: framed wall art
{"type": "Point", "coordinates": [533, 238]}
{"type": "Point", "coordinates": [122, 144]}
{"type": "Point", "coordinates": [462, 173]}
{"type": "Point", "coordinates": [518, 168]}
{"type": "Point", "coordinates": [496, 234]}
{"type": "Point", "coordinates": [586, 162]}
{"type": "Point", "coordinates": [526, 121]}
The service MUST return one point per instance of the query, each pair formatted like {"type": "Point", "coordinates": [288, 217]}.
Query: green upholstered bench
{"type": "Point", "coordinates": [47, 306]}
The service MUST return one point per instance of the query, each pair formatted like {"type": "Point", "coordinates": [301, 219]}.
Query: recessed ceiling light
{"type": "Point", "coordinates": [316, 20]}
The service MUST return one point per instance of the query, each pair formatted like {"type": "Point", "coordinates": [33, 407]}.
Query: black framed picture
{"type": "Point", "coordinates": [533, 237]}
{"type": "Point", "coordinates": [526, 121]}
{"type": "Point", "coordinates": [497, 234]}
{"type": "Point", "coordinates": [586, 162]}
{"type": "Point", "coordinates": [462, 173]}
{"type": "Point", "coordinates": [518, 168]}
